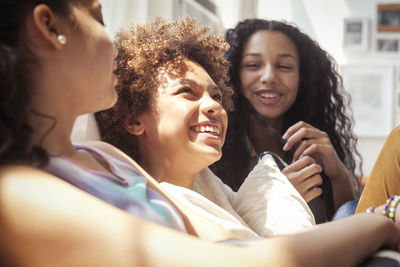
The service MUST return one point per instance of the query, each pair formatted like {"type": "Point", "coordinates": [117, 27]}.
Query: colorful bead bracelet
{"type": "Point", "coordinates": [390, 207]}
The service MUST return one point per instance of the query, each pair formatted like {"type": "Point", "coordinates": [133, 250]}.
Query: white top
{"type": "Point", "coordinates": [230, 221]}
{"type": "Point", "coordinates": [266, 204]}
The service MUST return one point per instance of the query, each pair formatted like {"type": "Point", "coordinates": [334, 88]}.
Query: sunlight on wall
{"type": "Point", "coordinates": [322, 20]}
{"type": "Point", "coordinates": [230, 13]}
{"type": "Point", "coordinates": [326, 18]}
{"type": "Point", "coordinates": [276, 10]}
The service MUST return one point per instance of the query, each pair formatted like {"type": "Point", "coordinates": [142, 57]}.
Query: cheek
{"type": "Point", "coordinates": [225, 122]}
{"type": "Point", "coordinates": [247, 80]}
{"type": "Point", "coordinates": [293, 84]}
{"type": "Point", "coordinates": [175, 120]}
{"type": "Point", "coordinates": [244, 80]}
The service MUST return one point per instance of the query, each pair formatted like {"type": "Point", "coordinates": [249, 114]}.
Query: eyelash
{"type": "Point", "coordinates": [217, 97]}
{"type": "Point", "coordinates": [186, 89]}
{"type": "Point", "coordinates": [252, 65]}
{"type": "Point", "coordinates": [285, 67]}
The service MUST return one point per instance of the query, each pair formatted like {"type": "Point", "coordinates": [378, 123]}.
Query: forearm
{"type": "Point", "coordinates": [342, 188]}
{"type": "Point", "coordinates": [341, 243]}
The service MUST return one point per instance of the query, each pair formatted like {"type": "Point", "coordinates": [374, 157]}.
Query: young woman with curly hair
{"type": "Point", "coordinates": [289, 101]}
{"type": "Point", "coordinates": [151, 59]}
{"type": "Point", "coordinates": [141, 54]}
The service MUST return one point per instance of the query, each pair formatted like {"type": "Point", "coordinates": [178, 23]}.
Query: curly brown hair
{"type": "Point", "coordinates": [142, 52]}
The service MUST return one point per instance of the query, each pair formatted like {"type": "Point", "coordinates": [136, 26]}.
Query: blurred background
{"type": "Point", "coordinates": [362, 35]}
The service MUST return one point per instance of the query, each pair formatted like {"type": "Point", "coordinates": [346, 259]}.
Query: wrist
{"type": "Point", "coordinates": [390, 210]}
{"type": "Point", "coordinates": [342, 175]}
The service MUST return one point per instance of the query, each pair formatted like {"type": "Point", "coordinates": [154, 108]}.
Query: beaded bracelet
{"type": "Point", "coordinates": [390, 207]}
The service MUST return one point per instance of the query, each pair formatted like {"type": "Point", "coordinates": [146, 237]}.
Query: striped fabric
{"type": "Point", "coordinates": [126, 188]}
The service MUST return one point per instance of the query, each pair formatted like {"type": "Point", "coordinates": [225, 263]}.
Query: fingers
{"type": "Point", "coordinates": [302, 131]}
{"type": "Point", "coordinates": [297, 176]}
{"type": "Point", "coordinates": [305, 176]}
{"type": "Point", "coordinates": [310, 147]}
{"type": "Point", "coordinates": [294, 128]}
{"type": "Point", "coordinates": [300, 164]}
{"type": "Point", "coordinates": [311, 194]}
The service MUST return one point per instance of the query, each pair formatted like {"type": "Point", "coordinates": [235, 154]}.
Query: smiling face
{"type": "Point", "coordinates": [186, 125]}
{"type": "Point", "coordinates": [269, 73]}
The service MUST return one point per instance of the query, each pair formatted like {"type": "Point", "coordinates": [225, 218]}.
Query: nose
{"type": "Point", "coordinates": [268, 74]}
{"type": "Point", "coordinates": [210, 106]}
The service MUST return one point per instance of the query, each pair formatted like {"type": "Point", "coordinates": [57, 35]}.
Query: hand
{"type": "Point", "coordinates": [395, 239]}
{"type": "Point", "coordinates": [309, 141]}
{"type": "Point", "coordinates": [304, 174]}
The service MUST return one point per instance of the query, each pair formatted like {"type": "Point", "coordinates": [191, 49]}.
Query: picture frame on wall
{"type": "Point", "coordinates": [388, 17]}
{"type": "Point", "coordinates": [356, 34]}
{"type": "Point", "coordinates": [372, 92]}
{"type": "Point", "coordinates": [387, 45]}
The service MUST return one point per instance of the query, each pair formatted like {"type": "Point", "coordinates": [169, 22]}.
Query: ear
{"type": "Point", "coordinates": [46, 27]}
{"type": "Point", "coordinates": [134, 126]}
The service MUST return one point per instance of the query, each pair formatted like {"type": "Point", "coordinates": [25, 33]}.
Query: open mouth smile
{"type": "Point", "coordinates": [210, 129]}
{"type": "Point", "coordinates": [268, 95]}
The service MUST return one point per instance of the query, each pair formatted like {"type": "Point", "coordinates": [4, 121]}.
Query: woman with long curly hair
{"type": "Point", "coordinates": [290, 101]}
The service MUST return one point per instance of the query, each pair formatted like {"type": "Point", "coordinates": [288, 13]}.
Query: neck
{"type": "Point", "coordinates": [167, 171]}
{"type": "Point", "coordinates": [52, 133]}
{"type": "Point", "coordinates": [168, 168]}
{"type": "Point", "coordinates": [262, 139]}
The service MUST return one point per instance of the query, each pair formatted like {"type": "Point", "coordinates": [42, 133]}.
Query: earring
{"type": "Point", "coordinates": [62, 40]}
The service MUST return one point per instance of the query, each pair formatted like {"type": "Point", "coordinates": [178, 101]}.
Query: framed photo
{"type": "Point", "coordinates": [356, 34]}
{"type": "Point", "coordinates": [388, 17]}
{"type": "Point", "coordinates": [387, 45]}
{"type": "Point", "coordinates": [372, 93]}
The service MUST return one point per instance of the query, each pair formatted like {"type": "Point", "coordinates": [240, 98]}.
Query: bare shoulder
{"type": "Point", "coordinates": [42, 213]}
{"type": "Point", "coordinates": [10, 171]}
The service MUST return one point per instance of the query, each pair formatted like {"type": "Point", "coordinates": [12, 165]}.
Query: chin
{"type": "Point", "coordinates": [214, 156]}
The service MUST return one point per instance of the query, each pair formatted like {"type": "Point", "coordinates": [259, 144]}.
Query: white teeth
{"type": "Point", "coordinates": [268, 95]}
{"type": "Point", "coordinates": [207, 129]}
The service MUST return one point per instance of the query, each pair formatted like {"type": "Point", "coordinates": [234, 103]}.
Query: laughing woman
{"type": "Point", "coordinates": [177, 72]}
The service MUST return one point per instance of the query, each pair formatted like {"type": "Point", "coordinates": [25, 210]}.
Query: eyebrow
{"type": "Point", "coordinates": [193, 82]}
{"type": "Point", "coordinates": [259, 54]}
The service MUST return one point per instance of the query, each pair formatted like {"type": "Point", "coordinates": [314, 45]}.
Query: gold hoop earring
{"type": "Point", "coordinates": [62, 40]}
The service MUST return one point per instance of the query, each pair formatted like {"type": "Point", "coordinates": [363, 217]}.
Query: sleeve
{"type": "Point", "coordinates": [384, 179]}
{"type": "Point", "coordinates": [269, 203]}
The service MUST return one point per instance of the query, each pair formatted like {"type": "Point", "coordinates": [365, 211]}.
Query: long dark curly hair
{"type": "Point", "coordinates": [16, 81]}
{"type": "Point", "coordinates": [321, 100]}
{"type": "Point", "coordinates": [142, 51]}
